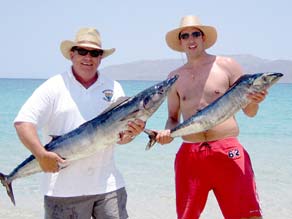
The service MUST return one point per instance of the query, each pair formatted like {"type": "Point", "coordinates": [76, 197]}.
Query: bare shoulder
{"type": "Point", "coordinates": [225, 61]}
{"type": "Point", "coordinates": [177, 71]}
{"type": "Point", "coordinates": [230, 66]}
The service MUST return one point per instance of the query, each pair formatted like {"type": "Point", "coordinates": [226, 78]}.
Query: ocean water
{"type": "Point", "coordinates": [149, 175]}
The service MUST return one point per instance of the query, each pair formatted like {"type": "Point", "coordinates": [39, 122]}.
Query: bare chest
{"type": "Point", "coordinates": [197, 90]}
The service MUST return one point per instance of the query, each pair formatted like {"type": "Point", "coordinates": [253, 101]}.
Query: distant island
{"type": "Point", "coordinates": [159, 69]}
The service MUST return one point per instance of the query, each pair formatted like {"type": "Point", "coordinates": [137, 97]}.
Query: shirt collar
{"type": "Point", "coordinates": [100, 80]}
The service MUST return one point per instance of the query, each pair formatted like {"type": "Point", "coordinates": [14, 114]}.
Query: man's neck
{"type": "Point", "coordinates": [86, 82]}
{"type": "Point", "coordinates": [201, 59]}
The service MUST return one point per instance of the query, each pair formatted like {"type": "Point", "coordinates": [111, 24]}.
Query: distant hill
{"type": "Point", "coordinates": [159, 69]}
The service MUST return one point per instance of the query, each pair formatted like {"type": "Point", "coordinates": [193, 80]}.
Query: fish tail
{"type": "Point", "coordinates": [152, 138]}
{"type": "Point", "coordinates": [8, 185]}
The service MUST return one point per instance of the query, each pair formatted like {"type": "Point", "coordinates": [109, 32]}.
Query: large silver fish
{"type": "Point", "coordinates": [234, 99]}
{"type": "Point", "coordinates": [97, 133]}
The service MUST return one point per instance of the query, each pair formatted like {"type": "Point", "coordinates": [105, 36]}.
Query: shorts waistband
{"type": "Point", "coordinates": [210, 142]}
{"type": "Point", "coordinates": [186, 145]}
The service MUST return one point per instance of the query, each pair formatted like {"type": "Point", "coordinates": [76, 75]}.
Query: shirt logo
{"type": "Point", "coordinates": [108, 94]}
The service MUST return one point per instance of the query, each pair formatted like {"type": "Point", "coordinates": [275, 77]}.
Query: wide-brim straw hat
{"type": "Point", "coordinates": [85, 37]}
{"type": "Point", "coordinates": [172, 37]}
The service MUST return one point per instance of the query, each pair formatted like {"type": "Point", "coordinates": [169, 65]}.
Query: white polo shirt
{"type": "Point", "coordinates": [60, 105]}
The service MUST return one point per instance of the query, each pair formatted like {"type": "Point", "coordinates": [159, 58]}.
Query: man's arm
{"type": "Point", "coordinates": [173, 103]}
{"type": "Point", "coordinates": [27, 134]}
{"type": "Point", "coordinates": [235, 71]}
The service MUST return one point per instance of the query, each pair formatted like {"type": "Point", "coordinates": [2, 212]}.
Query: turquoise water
{"type": "Point", "coordinates": [149, 174]}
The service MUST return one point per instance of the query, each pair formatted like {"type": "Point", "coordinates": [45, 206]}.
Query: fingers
{"type": "Point", "coordinates": [163, 137]}
{"type": "Point", "coordinates": [135, 127]}
{"type": "Point", "coordinates": [257, 97]}
{"type": "Point", "coordinates": [51, 162]}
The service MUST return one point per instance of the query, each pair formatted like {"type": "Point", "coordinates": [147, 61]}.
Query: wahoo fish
{"type": "Point", "coordinates": [97, 133]}
{"type": "Point", "coordinates": [234, 99]}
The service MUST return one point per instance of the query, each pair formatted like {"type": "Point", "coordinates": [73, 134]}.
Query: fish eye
{"type": "Point", "coordinates": [159, 88]}
{"type": "Point", "coordinates": [265, 78]}
{"type": "Point", "coordinates": [146, 101]}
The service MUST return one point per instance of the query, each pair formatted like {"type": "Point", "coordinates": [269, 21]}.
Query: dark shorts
{"type": "Point", "coordinates": [222, 166]}
{"type": "Point", "coordinates": [104, 206]}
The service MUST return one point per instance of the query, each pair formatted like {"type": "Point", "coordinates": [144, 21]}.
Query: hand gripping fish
{"type": "Point", "coordinates": [97, 133]}
{"type": "Point", "coordinates": [234, 99]}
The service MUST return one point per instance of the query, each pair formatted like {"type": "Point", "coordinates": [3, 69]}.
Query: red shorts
{"type": "Point", "coordinates": [222, 166]}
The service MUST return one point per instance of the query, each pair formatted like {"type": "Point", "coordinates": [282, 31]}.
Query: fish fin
{"type": "Point", "coordinates": [54, 137]}
{"type": "Point", "coordinates": [118, 102]}
{"type": "Point", "coordinates": [63, 165]}
{"type": "Point", "coordinates": [152, 138]}
{"type": "Point", "coordinates": [8, 185]}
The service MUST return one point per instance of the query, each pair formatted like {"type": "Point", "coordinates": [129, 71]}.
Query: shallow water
{"type": "Point", "coordinates": [149, 174]}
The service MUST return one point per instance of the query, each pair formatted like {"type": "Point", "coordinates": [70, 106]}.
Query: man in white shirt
{"type": "Point", "coordinates": [92, 186]}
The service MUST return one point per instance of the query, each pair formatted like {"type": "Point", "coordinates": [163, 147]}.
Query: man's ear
{"type": "Point", "coordinates": [204, 37]}
{"type": "Point", "coordinates": [71, 54]}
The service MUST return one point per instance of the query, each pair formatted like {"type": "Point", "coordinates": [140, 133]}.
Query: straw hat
{"type": "Point", "coordinates": [85, 37]}
{"type": "Point", "coordinates": [173, 41]}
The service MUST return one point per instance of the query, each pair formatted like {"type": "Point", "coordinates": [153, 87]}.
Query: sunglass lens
{"type": "Point", "coordinates": [82, 52]}
{"type": "Point", "coordinates": [185, 36]}
{"type": "Point", "coordinates": [196, 34]}
{"type": "Point", "coordinates": [95, 53]}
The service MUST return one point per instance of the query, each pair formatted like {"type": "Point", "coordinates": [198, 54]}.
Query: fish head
{"type": "Point", "coordinates": [153, 97]}
{"type": "Point", "coordinates": [261, 81]}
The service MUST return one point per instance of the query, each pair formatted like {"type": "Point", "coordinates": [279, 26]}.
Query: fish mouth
{"type": "Point", "coordinates": [267, 79]}
{"type": "Point", "coordinates": [166, 85]}
{"type": "Point", "coordinates": [171, 80]}
{"type": "Point", "coordinates": [273, 76]}
{"type": "Point", "coordinates": [277, 75]}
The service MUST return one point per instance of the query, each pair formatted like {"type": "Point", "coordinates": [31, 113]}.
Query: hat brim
{"type": "Point", "coordinates": [67, 45]}
{"type": "Point", "coordinates": [173, 41]}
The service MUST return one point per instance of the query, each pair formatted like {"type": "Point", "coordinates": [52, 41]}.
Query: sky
{"type": "Point", "coordinates": [32, 30]}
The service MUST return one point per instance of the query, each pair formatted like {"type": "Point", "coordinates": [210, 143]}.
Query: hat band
{"type": "Point", "coordinates": [88, 42]}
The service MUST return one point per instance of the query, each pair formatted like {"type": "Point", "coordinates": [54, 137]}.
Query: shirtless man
{"type": "Point", "coordinates": [214, 159]}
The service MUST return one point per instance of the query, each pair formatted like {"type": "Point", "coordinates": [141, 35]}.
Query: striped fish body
{"type": "Point", "coordinates": [97, 133]}
{"type": "Point", "coordinates": [234, 99]}
{"type": "Point", "coordinates": [227, 105]}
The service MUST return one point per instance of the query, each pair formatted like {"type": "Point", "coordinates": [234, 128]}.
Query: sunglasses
{"type": "Point", "coordinates": [84, 52]}
{"type": "Point", "coordinates": [186, 36]}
